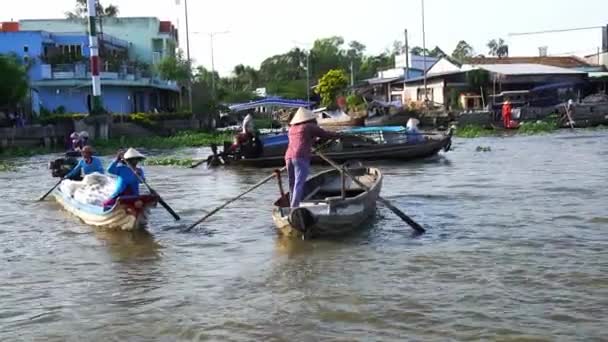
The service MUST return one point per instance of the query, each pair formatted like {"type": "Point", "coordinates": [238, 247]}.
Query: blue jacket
{"type": "Point", "coordinates": [95, 166]}
{"type": "Point", "coordinates": [127, 181]}
{"type": "Point", "coordinates": [414, 136]}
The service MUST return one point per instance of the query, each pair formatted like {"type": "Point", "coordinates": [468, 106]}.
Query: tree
{"type": "Point", "coordinates": [418, 51]}
{"type": "Point", "coordinates": [436, 52]}
{"type": "Point", "coordinates": [372, 64]}
{"type": "Point", "coordinates": [332, 84]}
{"type": "Point", "coordinates": [13, 81]}
{"type": "Point", "coordinates": [81, 10]}
{"type": "Point", "coordinates": [175, 68]}
{"type": "Point", "coordinates": [463, 51]}
{"type": "Point", "coordinates": [498, 48]}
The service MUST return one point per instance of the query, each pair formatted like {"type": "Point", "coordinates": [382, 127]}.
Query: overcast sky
{"type": "Point", "coordinates": [261, 28]}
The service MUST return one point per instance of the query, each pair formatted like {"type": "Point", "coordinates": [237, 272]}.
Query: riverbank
{"type": "Point", "coordinates": [104, 147]}
{"type": "Point", "coordinates": [526, 128]}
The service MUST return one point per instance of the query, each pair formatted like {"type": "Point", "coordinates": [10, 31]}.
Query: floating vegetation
{"type": "Point", "coordinates": [473, 131]}
{"type": "Point", "coordinates": [538, 127]}
{"type": "Point", "coordinates": [483, 149]}
{"type": "Point", "coordinates": [171, 161]}
{"type": "Point", "coordinates": [6, 166]}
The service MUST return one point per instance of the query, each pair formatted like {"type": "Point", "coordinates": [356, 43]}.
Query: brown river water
{"type": "Point", "coordinates": [516, 249]}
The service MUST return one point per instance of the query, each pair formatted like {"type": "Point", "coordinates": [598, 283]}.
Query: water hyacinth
{"type": "Point", "coordinates": [171, 161]}
{"type": "Point", "coordinates": [6, 166]}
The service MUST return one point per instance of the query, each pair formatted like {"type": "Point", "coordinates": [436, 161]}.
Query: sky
{"type": "Point", "coordinates": [261, 28]}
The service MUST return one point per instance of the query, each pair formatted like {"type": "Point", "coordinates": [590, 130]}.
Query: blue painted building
{"type": "Point", "coordinates": [60, 78]}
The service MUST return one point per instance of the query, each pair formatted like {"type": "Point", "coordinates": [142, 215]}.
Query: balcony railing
{"type": "Point", "coordinates": [82, 71]}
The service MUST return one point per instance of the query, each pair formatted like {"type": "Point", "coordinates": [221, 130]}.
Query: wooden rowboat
{"type": "Point", "coordinates": [128, 213]}
{"type": "Point", "coordinates": [333, 205]}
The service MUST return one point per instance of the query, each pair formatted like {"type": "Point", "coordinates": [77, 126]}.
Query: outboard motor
{"type": "Point", "coordinates": [62, 166]}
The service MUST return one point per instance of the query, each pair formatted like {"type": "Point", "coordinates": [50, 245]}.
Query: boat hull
{"type": "Point", "coordinates": [334, 216]}
{"type": "Point", "coordinates": [402, 152]}
{"type": "Point", "coordinates": [127, 214]}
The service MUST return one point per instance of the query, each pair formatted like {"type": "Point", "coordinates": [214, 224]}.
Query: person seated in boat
{"type": "Point", "coordinates": [303, 131]}
{"type": "Point", "coordinates": [84, 138]}
{"type": "Point", "coordinates": [75, 142]}
{"type": "Point", "coordinates": [414, 135]}
{"type": "Point", "coordinates": [248, 142]}
{"type": "Point", "coordinates": [87, 165]}
{"type": "Point", "coordinates": [127, 183]}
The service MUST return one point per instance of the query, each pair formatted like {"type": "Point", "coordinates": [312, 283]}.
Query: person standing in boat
{"type": "Point", "coordinates": [506, 114]}
{"type": "Point", "coordinates": [302, 133]}
{"type": "Point", "coordinates": [413, 133]}
{"type": "Point", "coordinates": [127, 183]}
{"type": "Point", "coordinates": [87, 165]}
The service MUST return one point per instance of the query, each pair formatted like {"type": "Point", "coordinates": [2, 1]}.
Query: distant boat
{"type": "Point", "coordinates": [329, 119]}
{"type": "Point", "coordinates": [332, 206]}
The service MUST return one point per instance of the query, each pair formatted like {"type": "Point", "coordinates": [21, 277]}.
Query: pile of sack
{"type": "Point", "coordinates": [93, 189]}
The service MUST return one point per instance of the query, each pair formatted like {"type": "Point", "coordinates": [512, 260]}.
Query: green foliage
{"type": "Point", "coordinates": [54, 119]}
{"type": "Point", "coordinates": [498, 48]}
{"type": "Point", "coordinates": [463, 52]}
{"type": "Point", "coordinates": [13, 81]}
{"type": "Point", "coordinates": [478, 79]}
{"type": "Point", "coordinates": [331, 85]}
{"type": "Point", "coordinates": [355, 103]}
{"type": "Point", "coordinates": [81, 10]}
{"type": "Point", "coordinates": [170, 161]}
{"type": "Point", "coordinates": [294, 89]}
{"type": "Point", "coordinates": [175, 68]}
{"type": "Point", "coordinates": [6, 166]}
{"type": "Point", "coordinates": [538, 127]}
{"type": "Point", "coordinates": [473, 131]}
{"type": "Point", "coordinates": [182, 139]}
{"type": "Point", "coordinates": [455, 99]}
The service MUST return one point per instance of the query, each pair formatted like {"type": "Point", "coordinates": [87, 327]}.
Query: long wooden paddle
{"type": "Point", "coordinates": [53, 188]}
{"type": "Point", "coordinates": [152, 191]}
{"type": "Point", "coordinates": [212, 212]}
{"type": "Point", "coordinates": [418, 228]}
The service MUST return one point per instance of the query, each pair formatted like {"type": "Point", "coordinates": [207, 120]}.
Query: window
{"type": "Point", "coordinates": [429, 92]}
{"type": "Point", "coordinates": [26, 48]}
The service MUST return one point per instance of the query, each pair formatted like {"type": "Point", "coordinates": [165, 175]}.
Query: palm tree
{"type": "Point", "coordinates": [498, 48]}
{"type": "Point", "coordinates": [81, 10]}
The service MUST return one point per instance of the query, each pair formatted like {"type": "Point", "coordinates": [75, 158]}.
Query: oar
{"type": "Point", "coordinates": [212, 212]}
{"type": "Point", "coordinates": [152, 191]}
{"type": "Point", "coordinates": [53, 188]}
{"type": "Point", "coordinates": [418, 228]}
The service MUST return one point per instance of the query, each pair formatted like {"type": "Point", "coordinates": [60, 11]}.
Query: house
{"type": "Point", "coordinates": [386, 85]}
{"type": "Point", "coordinates": [57, 53]}
{"type": "Point", "coordinates": [445, 89]}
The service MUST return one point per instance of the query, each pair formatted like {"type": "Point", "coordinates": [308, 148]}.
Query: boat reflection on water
{"type": "Point", "coordinates": [290, 247]}
{"type": "Point", "coordinates": [126, 245]}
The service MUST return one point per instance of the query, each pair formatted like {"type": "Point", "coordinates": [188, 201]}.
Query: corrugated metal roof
{"type": "Point", "coordinates": [556, 61]}
{"type": "Point", "coordinates": [526, 69]}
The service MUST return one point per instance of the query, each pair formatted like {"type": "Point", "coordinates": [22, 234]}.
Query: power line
{"type": "Point", "coordinates": [555, 31]}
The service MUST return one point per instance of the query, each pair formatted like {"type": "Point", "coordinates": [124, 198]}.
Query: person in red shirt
{"type": "Point", "coordinates": [506, 114]}
{"type": "Point", "coordinates": [302, 133]}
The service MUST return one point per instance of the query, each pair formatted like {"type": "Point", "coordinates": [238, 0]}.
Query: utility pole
{"type": "Point", "coordinates": [96, 107]}
{"type": "Point", "coordinates": [426, 96]}
{"type": "Point", "coordinates": [407, 65]}
{"type": "Point", "coordinates": [352, 74]}
{"type": "Point", "coordinates": [188, 57]}
{"type": "Point", "coordinates": [308, 77]}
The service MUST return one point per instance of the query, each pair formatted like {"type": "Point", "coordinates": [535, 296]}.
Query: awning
{"type": "Point", "coordinates": [270, 102]}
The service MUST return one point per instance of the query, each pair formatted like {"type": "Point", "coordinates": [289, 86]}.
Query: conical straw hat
{"type": "Point", "coordinates": [133, 154]}
{"type": "Point", "coordinates": [302, 115]}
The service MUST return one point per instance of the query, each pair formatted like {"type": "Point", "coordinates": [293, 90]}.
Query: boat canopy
{"type": "Point", "coordinates": [270, 102]}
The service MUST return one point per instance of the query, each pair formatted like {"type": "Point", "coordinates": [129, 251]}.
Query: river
{"type": "Point", "coordinates": [516, 249]}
